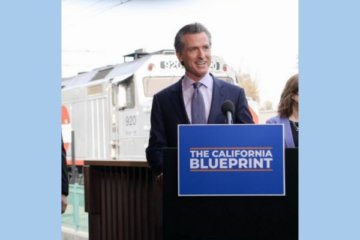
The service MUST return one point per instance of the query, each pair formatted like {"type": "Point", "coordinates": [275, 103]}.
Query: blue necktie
{"type": "Point", "coordinates": [197, 106]}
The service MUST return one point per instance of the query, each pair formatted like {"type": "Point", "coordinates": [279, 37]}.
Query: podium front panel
{"type": "Point", "coordinates": [230, 217]}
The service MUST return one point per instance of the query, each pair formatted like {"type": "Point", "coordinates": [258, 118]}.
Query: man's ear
{"type": "Point", "coordinates": [178, 55]}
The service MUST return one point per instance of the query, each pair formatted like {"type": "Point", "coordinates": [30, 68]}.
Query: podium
{"type": "Point", "coordinates": [230, 217]}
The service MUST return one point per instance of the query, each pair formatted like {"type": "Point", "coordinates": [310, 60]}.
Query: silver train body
{"type": "Point", "coordinates": [109, 107]}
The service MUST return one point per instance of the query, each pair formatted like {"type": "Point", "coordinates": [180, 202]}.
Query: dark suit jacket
{"type": "Point", "coordinates": [64, 172]}
{"type": "Point", "coordinates": [168, 110]}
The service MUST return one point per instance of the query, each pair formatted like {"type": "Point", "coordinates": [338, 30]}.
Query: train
{"type": "Point", "coordinates": [106, 111]}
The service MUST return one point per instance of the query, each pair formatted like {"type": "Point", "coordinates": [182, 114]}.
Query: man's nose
{"type": "Point", "coordinates": [201, 54]}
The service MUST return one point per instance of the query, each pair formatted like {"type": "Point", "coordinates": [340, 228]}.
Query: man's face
{"type": "Point", "coordinates": [196, 55]}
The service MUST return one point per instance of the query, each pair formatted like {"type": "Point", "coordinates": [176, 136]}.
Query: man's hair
{"type": "Point", "coordinates": [189, 29]}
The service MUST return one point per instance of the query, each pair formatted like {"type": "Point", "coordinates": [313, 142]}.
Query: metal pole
{"type": "Point", "coordinates": [74, 181]}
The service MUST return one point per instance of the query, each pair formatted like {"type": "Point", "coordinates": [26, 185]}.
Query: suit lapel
{"type": "Point", "coordinates": [218, 98]}
{"type": "Point", "coordinates": [177, 102]}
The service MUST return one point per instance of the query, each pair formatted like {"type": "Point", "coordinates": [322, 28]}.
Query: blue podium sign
{"type": "Point", "coordinates": [231, 160]}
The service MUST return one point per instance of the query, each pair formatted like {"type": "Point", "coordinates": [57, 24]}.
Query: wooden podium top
{"type": "Point", "coordinates": [116, 163]}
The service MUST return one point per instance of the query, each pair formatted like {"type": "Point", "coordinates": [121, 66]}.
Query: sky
{"type": "Point", "coordinates": [256, 37]}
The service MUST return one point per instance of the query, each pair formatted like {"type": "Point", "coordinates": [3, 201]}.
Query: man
{"type": "Point", "coordinates": [174, 104]}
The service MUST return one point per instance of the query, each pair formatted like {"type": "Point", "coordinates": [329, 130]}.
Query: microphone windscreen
{"type": "Point", "coordinates": [227, 106]}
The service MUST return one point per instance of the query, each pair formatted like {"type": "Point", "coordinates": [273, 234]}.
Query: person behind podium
{"type": "Point", "coordinates": [288, 112]}
{"type": "Point", "coordinates": [195, 99]}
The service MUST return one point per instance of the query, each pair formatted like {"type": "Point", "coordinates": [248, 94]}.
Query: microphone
{"type": "Point", "coordinates": [228, 110]}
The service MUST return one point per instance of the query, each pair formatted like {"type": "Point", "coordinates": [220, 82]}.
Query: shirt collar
{"type": "Point", "coordinates": [206, 81]}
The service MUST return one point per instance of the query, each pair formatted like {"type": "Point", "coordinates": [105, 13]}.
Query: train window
{"type": "Point", "coordinates": [125, 94]}
{"type": "Point", "coordinates": [153, 85]}
{"type": "Point", "coordinates": [101, 74]}
{"type": "Point", "coordinates": [121, 96]}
